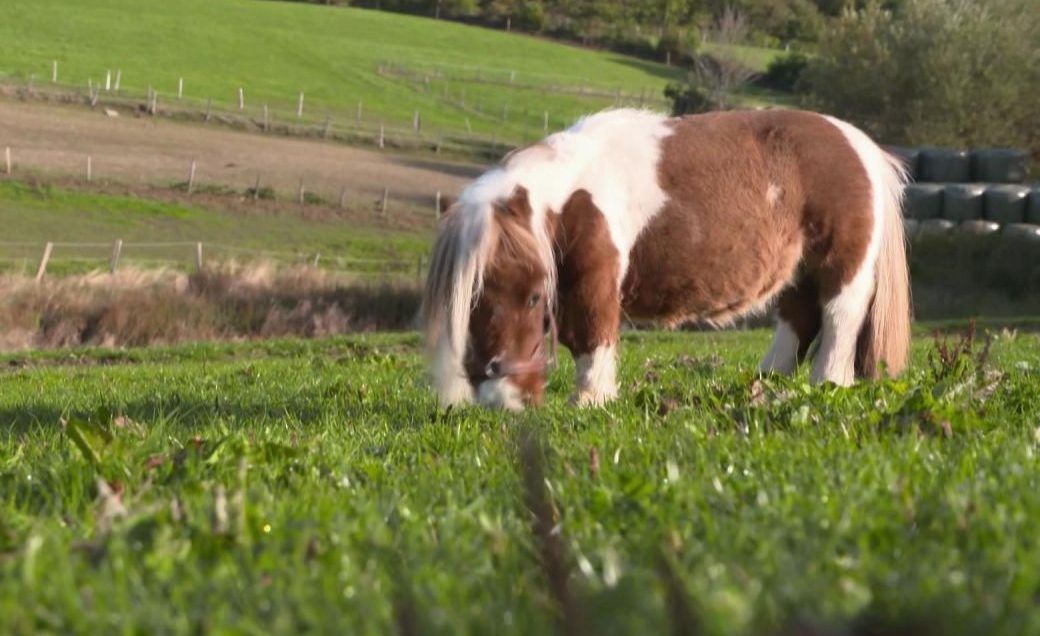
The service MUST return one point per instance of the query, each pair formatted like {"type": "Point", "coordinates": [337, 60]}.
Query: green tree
{"type": "Point", "coordinates": [950, 72]}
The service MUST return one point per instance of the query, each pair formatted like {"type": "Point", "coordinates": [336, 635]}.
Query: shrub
{"type": "Point", "coordinates": [784, 72]}
{"type": "Point", "coordinates": [943, 72]}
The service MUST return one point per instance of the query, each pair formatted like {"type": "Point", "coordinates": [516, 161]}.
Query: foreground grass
{"type": "Point", "coordinates": [293, 485]}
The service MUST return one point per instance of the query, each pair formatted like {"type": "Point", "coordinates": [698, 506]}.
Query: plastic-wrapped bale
{"type": "Point", "coordinates": [1024, 231]}
{"type": "Point", "coordinates": [943, 165]}
{"type": "Point", "coordinates": [931, 227]}
{"type": "Point", "coordinates": [1006, 203]}
{"type": "Point", "coordinates": [999, 165]}
{"type": "Point", "coordinates": [923, 201]}
{"type": "Point", "coordinates": [1033, 206]}
{"type": "Point", "coordinates": [978, 227]}
{"type": "Point", "coordinates": [962, 201]}
{"type": "Point", "coordinates": [910, 227]}
{"type": "Point", "coordinates": [909, 156]}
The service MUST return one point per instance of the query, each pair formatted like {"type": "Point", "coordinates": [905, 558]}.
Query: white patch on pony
{"type": "Point", "coordinates": [844, 314]}
{"type": "Point", "coordinates": [452, 385]}
{"type": "Point", "coordinates": [782, 356]}
{"type": "Point", "coordinates": [613, 155]}
{"type": "Point", "coordinates": [500, 393]}
{"type": "Point", "coordinates": [596, 376]}
{"type": "Point", "coordinates": [773, 193]}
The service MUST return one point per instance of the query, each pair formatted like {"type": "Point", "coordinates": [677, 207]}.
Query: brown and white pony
{"type": "Point", "coordinates": [706, 218]}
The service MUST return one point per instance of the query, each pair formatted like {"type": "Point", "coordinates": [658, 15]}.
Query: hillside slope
{"type": "Point", "coordinates": [393, 64]}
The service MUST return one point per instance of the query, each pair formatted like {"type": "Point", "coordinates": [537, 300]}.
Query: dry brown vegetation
{"type": "Point", "coordinates": [232, 301]}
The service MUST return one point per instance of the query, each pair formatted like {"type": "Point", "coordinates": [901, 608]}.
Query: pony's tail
{"type": "Point", "coordinates": [885, 335]}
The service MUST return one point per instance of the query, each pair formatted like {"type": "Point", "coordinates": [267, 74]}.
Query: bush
{"type": "Point", "coordinates": [944, 72]}
{"type": "Point", "coordinates": [784, 72]}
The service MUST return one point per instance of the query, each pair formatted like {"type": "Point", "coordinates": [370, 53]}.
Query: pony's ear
{"type": "Point", "coordinates": [516, 206]}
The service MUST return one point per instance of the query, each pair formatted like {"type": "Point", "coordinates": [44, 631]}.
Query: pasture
{"type": "Point", "coordinates": [392, 64]}
{"type": "Point", "coordinates": [314, 485]}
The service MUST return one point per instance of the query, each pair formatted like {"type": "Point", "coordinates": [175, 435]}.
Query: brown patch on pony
{"type": "Point", "coordinates": [502, 323]}
{"type": "Point", "coordinates": [754, 197]}
{"type": "Point", "coordinates": [799, 306]}
{"type": "Point", "coordinates": [588, 265]}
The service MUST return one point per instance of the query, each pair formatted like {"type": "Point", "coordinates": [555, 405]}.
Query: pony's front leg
{"type": "Point", "coordinates": [589, 324]}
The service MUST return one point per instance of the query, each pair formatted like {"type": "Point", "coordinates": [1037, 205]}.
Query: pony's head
{"type": "Point", "coordinates": [489, 300]}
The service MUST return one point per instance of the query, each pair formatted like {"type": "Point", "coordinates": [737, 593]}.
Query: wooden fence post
{"type": "Point", "coordinates": [300, 192]}
{"type": "Point", "coordinates": [342, 197]}
{"type": "Point", "coordinates": [416, 122]}
{"type": "Point", "coordinates": [7, 159]}
{"type": "Point", "coordinates": [119, 75]}
{"type": "Point", "coordinates": [191, 177]}
{"type": "Point", "coordinates": [317, 259]}
{"type": "Point", "coordinates": [437, 205]}
{"type": "Point", "coordinates": [256, 187]}
{"type": "Point", "coordinates": [382, 137]}
{"type": "Point", "coordinates": [180, 88]}
{"type": "Point", "coordinates": [108, 80]}
{"type": "Point", "coordinates": [266, 121]}
{"type": "Point", "coordinates": [545, 122]}
{"type": "Point", "coordinates": [209, 107]}
{"type": "Point", "coordinates": [46, 258]}
{"type": "Point", "coordinates": [328, 126]}
{"type": "Point", "coordinates": [198, 256]}
{"type": "Point", "coordinates": [54, 71]}
{"type": "Point", "coordinates": [359, 112]}
{"type": "Point", "coordinates": [299, 106]}
{"type": "Point", "coordinates": [90, 169]}
{"type": "Point", "coordinates": [117, 249]}
{"type": "Point", "coordinates": [155, 102]}
{"type": "Point", "coordinates": [383, 204]}
{"type": "Point", "coordinates": [241, 98]}
{"type": "Point", "coordinates": [437, 147]}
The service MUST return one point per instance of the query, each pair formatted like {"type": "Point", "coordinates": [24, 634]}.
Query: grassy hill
{"type": "Point", "coordinates": [392, 63]}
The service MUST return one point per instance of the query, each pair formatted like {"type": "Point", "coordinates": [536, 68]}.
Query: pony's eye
{"type": "Point", "coordinates": [533, 300]}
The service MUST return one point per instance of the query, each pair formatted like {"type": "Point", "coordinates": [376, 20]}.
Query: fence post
{"type": "Point", "coordinates": [191, 177]}
{"type": "Point", "coordinates": [241, 98]}
{"type": "Point", "coordinates": [108, 80]}
{"type": "Point", "coordinates": [300, 192]}
{"type": "Point", "coordinates": [383, 204]}
{"type": "Point", "coordinates": [256, 187]}
{"type": "Point", "coordinates": [90, 169]}
{"type": "Point", "coordinates": [266, 121]}
{"type": "Point", "coordinates": [180, 88]}
{"type": "Point", "coordinates": [7, 159]}
{"type": "Point", "coordinates": [155, 101]}
{"type": "Point", "coordinates": [54, 71]}
{"type": "Point", "coordinates": [342, 197]}
{"type": "Point", "coordinates": [209, 107]}
{"type": "Point", "coordinates": [437, 205]}
{"type": "Point", "coordinates": [117, 249]}
{"type": "Point", "coordinates": [198, 256]}
{"type": "Point", "coordinates": [359, 112]}
{"type": "Point", "coordinates": [119, 74]}
{"type": "Point", "coordinates": [328, 126]}
{"type": "Point", "coordinates": [382, 137]}
{"type": "Point", "coordinates": [47, 249]}
{"type": "Point", "coordinates": [416, 122]}
{"type": "Point", "coordinates": [545, 122]}
{"type": "Point", "coordinates": [299, 106]}
{"type": "Point", "coordinates": [317, 258]}
{"type": "Point", "coordinates": [437, 148]}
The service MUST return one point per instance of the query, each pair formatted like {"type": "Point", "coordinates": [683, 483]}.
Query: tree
{"type": "Point", "coordinates": [946, 72]}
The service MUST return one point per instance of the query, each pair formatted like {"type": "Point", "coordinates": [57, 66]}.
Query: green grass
{"type": "Point", "coordinates": [33, 215]}
{"type": "Point", "coordinates": [275, 50]}
{"type": "Point", "coordinates": [314, 485]}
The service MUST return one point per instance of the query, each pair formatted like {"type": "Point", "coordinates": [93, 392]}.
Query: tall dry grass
{"type": "Point", "coordinates": [232, 301]}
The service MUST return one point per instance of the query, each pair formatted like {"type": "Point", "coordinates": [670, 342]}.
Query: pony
{"type": "Point", "coordinates": [703, 218]}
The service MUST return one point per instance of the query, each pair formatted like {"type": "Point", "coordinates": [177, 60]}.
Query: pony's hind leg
{"type": "Point", "coordinates": [797, 324]}
{"type": "Point", "coordinates": [842, 318]}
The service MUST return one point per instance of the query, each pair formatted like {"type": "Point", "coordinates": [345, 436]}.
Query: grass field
{"type": "Point", "coordinates": [32, 215]}
{"type": "Point", "coordinates": [274, 50]}
{"type": "Point", "coordinates": [314, 485]}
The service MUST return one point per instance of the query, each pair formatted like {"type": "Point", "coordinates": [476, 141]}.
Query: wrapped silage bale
{"type": "Point", "coordinates": [1033, 206]}
{"type": "Point", "coordinates": [944, 165]}
{"type": "Point", "coordinates": [978, 227]}
{"type": "Point", "coordinates": [923, 201]}
{"type": "Point", "coordinates": [962, 201]}
{"type": "Point", "coordinates": [999, 165]}
{"type": "Point", "coordinates": [1023, 231]}
{"type": "Point", "coordinates": [932, 227]}
{"type": "Point", "coordinates": [1006, 203]}
{"type": "Point", "coordinates": [909, 156]}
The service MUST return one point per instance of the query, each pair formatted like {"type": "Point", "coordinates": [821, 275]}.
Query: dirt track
{"type": "Point", "coordinates": [142, 150]}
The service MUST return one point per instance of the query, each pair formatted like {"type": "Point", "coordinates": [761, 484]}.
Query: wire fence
{"type": "Point", "coordinates": [38, 259]}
